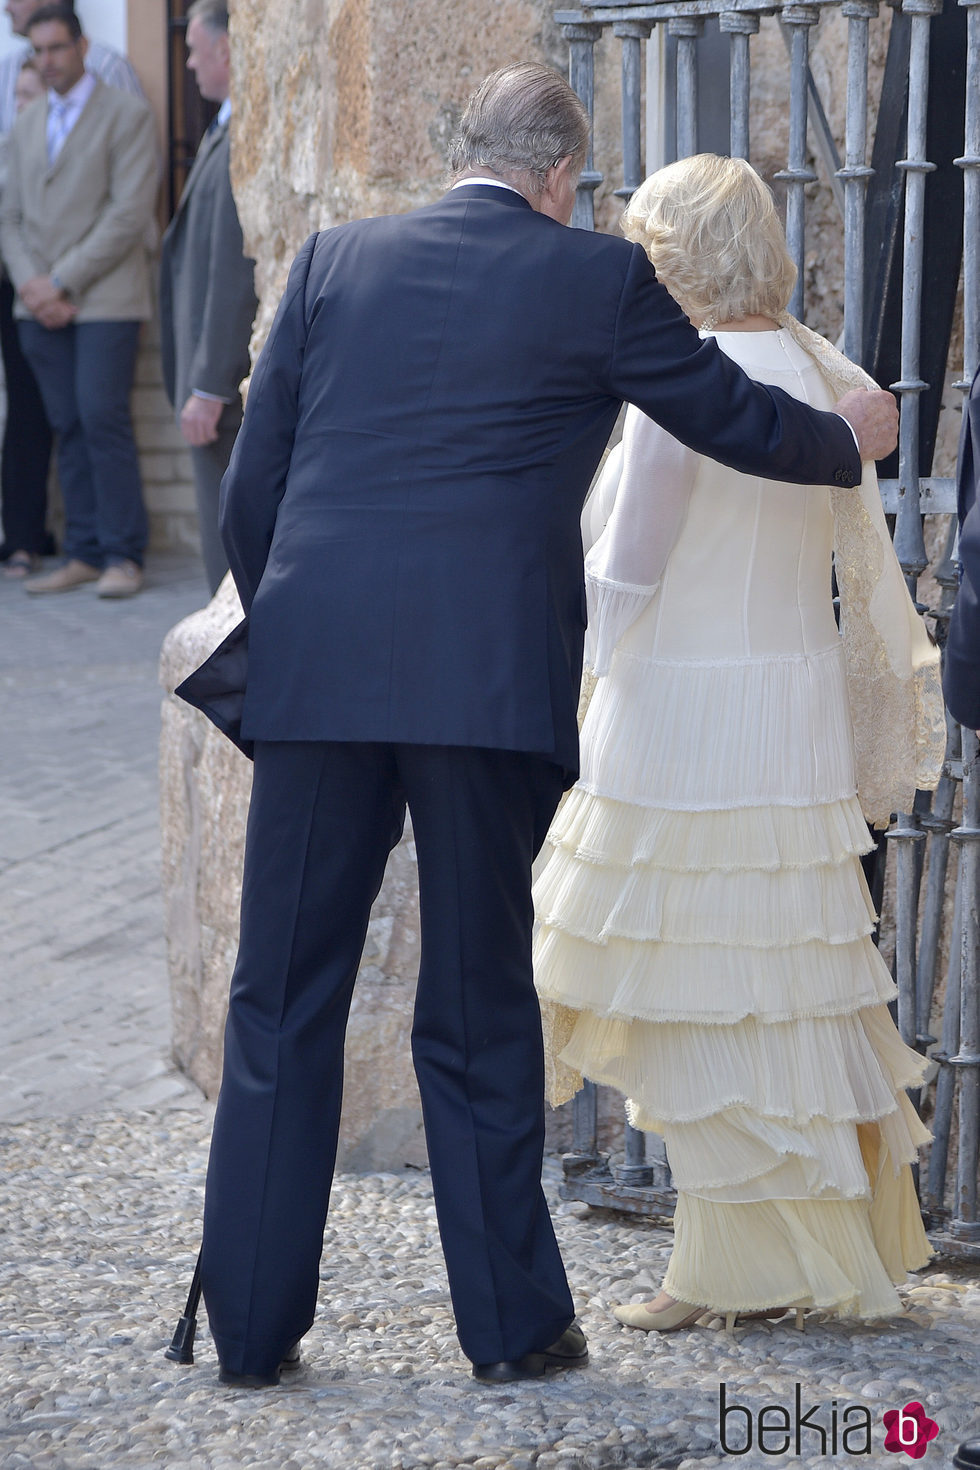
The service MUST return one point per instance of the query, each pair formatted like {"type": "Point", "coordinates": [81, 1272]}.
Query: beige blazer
{"type": "Point", "coordinates": [87, 218]}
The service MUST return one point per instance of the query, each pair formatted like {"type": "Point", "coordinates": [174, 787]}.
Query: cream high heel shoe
{"type": "Point", "coordinates": [669, 1319]}
{"type": "Point", "coordinates": [684, 1314]}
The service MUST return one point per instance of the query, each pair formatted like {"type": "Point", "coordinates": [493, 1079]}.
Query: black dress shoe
{"type": "Point", "coordinates": [570, 1351]}
{"type": "Point", "coordinates": [967, 1457]}
{"type": "Point", "coordinates": [290, 1360]}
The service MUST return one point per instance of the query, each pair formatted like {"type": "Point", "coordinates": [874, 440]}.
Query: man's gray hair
{"type": "Point", "coordinates": [519, 123]}
{"type": "Point", "coordinates": [210, 13]}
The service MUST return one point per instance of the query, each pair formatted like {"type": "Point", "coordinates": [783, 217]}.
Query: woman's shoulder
{"type": "Point", "coordinates": [774, 351]}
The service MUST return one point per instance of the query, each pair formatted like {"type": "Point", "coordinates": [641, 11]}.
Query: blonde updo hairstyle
{"type": "Point", "coordinates": [710, 228]}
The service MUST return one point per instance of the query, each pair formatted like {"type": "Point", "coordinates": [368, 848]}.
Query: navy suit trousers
{"type": "Point", "coordinates": [323, 819]}
{"type": "Point", "coordinates": [85, 374]}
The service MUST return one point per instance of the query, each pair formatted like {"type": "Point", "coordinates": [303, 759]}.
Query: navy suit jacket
{"type": "Point", "coordinates": [961, 663]}
{"type": "Point", "coordinates": [401, 511]}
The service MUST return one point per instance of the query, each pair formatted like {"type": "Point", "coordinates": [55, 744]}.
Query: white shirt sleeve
{"type": "Point", "coordinates": [624, 568]}
{"type": "Point", "coordinates": [854, 436]}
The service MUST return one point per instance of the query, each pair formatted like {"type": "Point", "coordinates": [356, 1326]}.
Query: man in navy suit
{"type": "Point", "coordinates": [401, 515]}
{"type": "Point", "coordinates": [961, 665]}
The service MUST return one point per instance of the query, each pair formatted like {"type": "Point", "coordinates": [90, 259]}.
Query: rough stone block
{"type": "Point", "coordinates": [204, 789]}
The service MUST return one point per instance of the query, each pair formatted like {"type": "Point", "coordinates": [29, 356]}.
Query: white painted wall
{"type": "Point", "coordinates": [102, 20]}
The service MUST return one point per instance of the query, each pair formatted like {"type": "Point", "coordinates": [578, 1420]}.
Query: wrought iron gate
{"type": "Point", "coordinates": [891, 247]}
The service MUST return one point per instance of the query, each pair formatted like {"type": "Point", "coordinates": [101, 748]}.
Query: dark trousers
{"type": "Point", "coordinates": [209, 463]}
{"type": "Point", "coordinates": [85, 373]}
{"type": "Point", "coordinates": [322, 821]}
{"type": "Point", "coordinates": [26, 443]}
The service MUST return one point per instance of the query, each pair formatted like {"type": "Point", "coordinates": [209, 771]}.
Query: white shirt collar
{"type": "Point", "coordinates": [74, 99]}
{"type": "Point", "coordinates": [495, 183]}
{"type": "Point", "coordinates": [224, 112]}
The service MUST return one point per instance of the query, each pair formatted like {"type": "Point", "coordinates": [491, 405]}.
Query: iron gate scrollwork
{"type": "Point", "coordinates": [893, 251]}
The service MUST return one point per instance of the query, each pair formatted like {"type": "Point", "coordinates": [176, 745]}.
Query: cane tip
{"type": "Point", "coordinates": [181, 1349]}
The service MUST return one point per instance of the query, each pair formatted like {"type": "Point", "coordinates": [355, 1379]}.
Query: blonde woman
{"type": "Point", "coordinates": [704, 939]}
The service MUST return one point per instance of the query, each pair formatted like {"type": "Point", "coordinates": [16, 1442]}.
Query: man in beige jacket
{"type": "Point", "coordinates": [76, 214]}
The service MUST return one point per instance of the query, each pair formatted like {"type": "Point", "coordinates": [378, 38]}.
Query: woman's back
{"type": "Point", "coordinates": [729, 689]}
{"type": "Point", "coordinates": [749, 576]}
{"type": "Point", "coordinates": [704, 925]}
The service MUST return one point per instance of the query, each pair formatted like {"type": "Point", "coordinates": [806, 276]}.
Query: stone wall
{"type": "Point", "coordinates": [345, 108]}
{"type": "Point", "coordinates": [168, 485]}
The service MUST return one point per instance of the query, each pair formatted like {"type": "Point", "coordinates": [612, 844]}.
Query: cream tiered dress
{"type": "Point", "coordinates": [704, 924]}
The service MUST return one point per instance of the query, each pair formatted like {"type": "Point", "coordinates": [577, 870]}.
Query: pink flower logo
{"type": "Point", "coordinates": [909, 1430]}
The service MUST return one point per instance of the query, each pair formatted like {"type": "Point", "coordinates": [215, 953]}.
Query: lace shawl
{"type": "Point", "coordinates": [893, 674]}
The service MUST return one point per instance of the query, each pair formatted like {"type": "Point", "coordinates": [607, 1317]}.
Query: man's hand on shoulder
{"type": "Point", "coordinates": [199, 420]}
{"type": "Point", "coordinates": [873, 415]}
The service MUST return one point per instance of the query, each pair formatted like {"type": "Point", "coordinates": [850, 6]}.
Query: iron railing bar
{"type": "Point", "coordinates": [799, 18]}
{"type": "Point", "coordinates": [942, 1120]}
{"type": "Point", "coordinates": [855, 172]}
{"type": "Point", "coordinates": [822, 136]}
{"type": "Point", "coordinates": [970, 164]}
{"type": "Point", "coordinates": [740, 26]}
{"type": "Point", "coordinates": [632, 33]}
{"type": "Point", "coordinates": [686, 30]}
{"type": "Point", "coordinates": [937, 495]}
{"type": "Point", "coordinates": [909, 543]}
{"type": "Point", "coordinates": [938, 825]}
{"type": "Point", "coordinates": [965, 1225]}
{"type": "Point", "coordinates": [660, 10]}
{"type": "Point", "coordinates": [582, 37]}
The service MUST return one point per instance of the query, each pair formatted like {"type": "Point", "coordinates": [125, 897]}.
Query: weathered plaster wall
{"type": "Point", "coordinates": [345, 108]}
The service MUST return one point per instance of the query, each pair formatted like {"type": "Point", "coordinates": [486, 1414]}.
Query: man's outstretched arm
{"type": "Point", "coordinates": [693, 390]}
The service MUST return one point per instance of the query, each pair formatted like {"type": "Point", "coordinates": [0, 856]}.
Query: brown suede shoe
{"type": "Point", "coordinates": [73, 574]}
{"type": "Point", "coordinates": [122, 579]}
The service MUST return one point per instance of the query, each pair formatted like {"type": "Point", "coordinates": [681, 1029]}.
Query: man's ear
{"type": "Point", "coordinates": [558, 195]}
{"type": "Point", "coordinates": [564, 169]}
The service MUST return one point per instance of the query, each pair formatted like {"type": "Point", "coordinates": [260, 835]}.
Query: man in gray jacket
{"type": "Point", "coordinates": [207, 293]}
{"type": "Point", "coordinates": [76, 214]}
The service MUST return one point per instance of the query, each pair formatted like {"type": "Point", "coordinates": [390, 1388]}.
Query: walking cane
{"type": "Point", "coordinates": [181, 1349]}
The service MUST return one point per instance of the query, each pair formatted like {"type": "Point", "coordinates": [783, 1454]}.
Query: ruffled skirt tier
{"type": "Point", "coordinates": [740, 732]}
{"type": "Point", "coordinates": [704, 946]}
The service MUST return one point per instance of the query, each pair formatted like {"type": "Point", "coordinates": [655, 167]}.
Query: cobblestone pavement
{"type": "Point", "coordinates": [83, 992]}
{"type": "Point", "coordinates": [102, 1155]}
